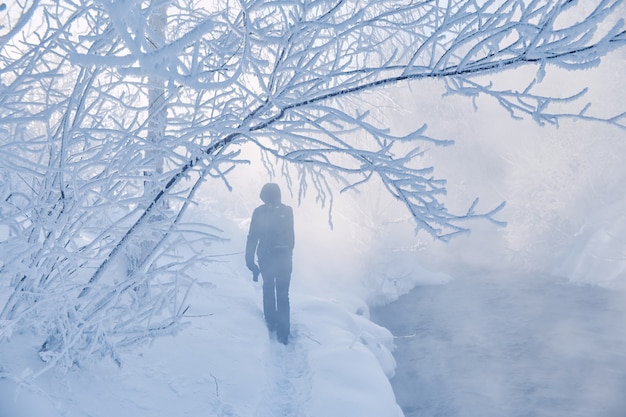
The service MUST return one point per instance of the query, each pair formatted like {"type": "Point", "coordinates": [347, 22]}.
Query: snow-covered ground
{"type": "Point", "coordinates": [222, 364]}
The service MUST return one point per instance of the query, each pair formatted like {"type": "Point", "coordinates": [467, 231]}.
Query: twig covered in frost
{"type": "Point", "coordinates": [112, 113]}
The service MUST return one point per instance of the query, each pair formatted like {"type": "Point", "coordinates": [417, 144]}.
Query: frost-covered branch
{"type": "Point", "coordinates": [111, 114]}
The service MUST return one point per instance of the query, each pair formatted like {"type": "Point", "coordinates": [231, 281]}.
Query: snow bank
{"type": "Point", "coordinates": [597, 254]}
{"type": "Point", "coordinates": [350, 362]}
{"type": "Point", "coordinates": [211, 367]}
{"type": "Point", "coordinates": [398, 272]}
{"type": "Point", "coordinates": [222, 364]}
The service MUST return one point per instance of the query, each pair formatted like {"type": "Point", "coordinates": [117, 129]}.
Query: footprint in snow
{"type": "Point", "coordinates": [289, 380]}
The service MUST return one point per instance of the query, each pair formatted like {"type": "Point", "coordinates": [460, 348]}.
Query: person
{"type": "Point", "coordinates": [271, 238]}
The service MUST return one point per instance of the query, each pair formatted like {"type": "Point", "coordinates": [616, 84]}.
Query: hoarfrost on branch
{"type": "Point", "coordinates": [113, 112]}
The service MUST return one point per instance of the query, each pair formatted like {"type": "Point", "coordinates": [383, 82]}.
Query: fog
{"type": "Point", "coordinates": [521, 320]}
{"type": "Point", "coordinates": [562, 184]}
{"type": "Point", "coordinates": [531, 319]}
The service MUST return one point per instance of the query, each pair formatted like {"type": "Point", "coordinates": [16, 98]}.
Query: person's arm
{"type": "Point", "coordinates": [252, 241]}
{"type": "Point", "coordinates": [292, 236]}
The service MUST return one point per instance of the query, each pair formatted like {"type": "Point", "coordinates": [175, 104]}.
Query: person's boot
{"type": "Point", "coordinates": [283, 337]}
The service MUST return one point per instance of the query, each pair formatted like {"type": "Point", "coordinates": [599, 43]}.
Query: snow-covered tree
{"type": "Point", "coordinates": [113, 112]}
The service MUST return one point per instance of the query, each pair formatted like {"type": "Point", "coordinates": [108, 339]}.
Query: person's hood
{"type": "Point", "coordinates": [270, 194]}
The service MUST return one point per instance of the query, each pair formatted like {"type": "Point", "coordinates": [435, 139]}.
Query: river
{"type": "Point", "coordinates": [509, 345]}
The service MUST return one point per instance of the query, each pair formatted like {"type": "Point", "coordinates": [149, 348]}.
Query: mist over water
{"type": "Point", "coordinates": [532, 321]}
{"type": "Point", "coordinates": [516, 345]}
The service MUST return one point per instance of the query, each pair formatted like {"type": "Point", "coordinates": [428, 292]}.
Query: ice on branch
{"type": "Point", "coordinates": [113, 113]}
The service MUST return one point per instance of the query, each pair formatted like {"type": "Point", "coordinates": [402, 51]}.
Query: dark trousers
{"type": "Point", "coordinates": [276, 272]}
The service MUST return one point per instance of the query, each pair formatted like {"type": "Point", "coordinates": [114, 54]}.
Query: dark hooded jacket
{"type": "Point", "coordinates": [271, 228]}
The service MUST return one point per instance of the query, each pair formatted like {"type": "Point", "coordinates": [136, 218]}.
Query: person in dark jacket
{"type": "Point", "coordinates": [271, 238]}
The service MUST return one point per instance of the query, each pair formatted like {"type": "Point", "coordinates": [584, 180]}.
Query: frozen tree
{"type": "Point", "coordinates": [113, 112]}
